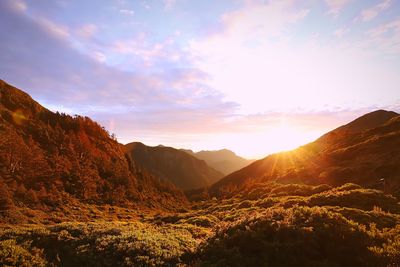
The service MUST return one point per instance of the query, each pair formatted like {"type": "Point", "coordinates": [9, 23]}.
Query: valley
{"type": "Point", "coordinates": [71, 195]}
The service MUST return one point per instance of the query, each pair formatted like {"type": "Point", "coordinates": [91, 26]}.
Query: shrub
{"type": "Point", "coordinates": [12, 254]}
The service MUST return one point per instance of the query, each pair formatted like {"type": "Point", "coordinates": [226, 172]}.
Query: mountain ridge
{"type": "Point", "coordinates": [50, 159]}
{"type": "Point", "coordinates": [223, 160]}
{"type": "Point", "coordinates": [173, 165]}
{"type": "Point", "coordinates": [345, 154]}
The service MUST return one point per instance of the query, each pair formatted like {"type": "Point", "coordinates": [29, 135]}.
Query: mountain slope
{"type": "Point", "coordinates": [178, 167]}
{"type": "Point", "coordinates": [49, 159]}
{"type": "Point", "coordinates": [364, 151]}
{"type": "Point", "coordinates": [224, 160]}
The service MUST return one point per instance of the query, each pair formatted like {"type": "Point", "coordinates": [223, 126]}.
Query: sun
{"type": "Point", "coordinates": [286, 136]}
{"type": "Point", "coordinates": [280, 135]}
{"type": "Point", "coordinates": [259, 141]}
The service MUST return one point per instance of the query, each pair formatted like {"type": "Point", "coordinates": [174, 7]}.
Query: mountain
{"type": "Point", "coordinates": [365, 151]}
{"type": "Point", "coordinates": [71, 196]}
{"type": "Point", "coordinates": [50, 159]}
{"type": "Point", "coordinates": [173, 165]}
{"type": "Point", "coordinates": [224, 160]}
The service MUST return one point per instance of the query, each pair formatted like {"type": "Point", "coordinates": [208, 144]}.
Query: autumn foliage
{"type": "Point", "coordinates": [48, 158]}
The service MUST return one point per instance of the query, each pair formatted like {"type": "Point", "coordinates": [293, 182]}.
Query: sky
{"type": "Point", "coordinates": [256, 77]}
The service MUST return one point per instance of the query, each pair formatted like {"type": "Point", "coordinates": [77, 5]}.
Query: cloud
{"type": "Point", "coordinates": [141, 52]}
{"type": "Point", "coordinates": [87, 31]}
{"type": "Point", "coordinates": [154, 87]}
{"type": "Point", "coordinates": [339, 33]}
{"type": "Point", "coordinates": [53, 71]}
{"type": "Point", "coordinates": [370, 13]}
{"type": "Point", "coordinates": [128, 12]}
{"type": "Point", "coordinates": [336, 6]}
{"type": "Point", "coordinates": [386, 37]}
{"type": "Point", "coordinates": [169, 4]}
{"type": "Point", "coordinates": [53, 28]}
{"type": "Point", "coordinates": [17, 5]}
{"type": "Point", "coordinates": [254, 131]}
{"type": "Point", "coordinates": [255, 59]}
{"type": "Point", "coordinates": [19, 8]}
{"type": "Point", "coordinates": [267, 20]}
{"type": "Point", "coordinates": [99, 56]}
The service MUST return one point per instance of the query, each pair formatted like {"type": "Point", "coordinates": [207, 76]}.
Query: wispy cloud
{"type": "Point", "coordinates": [267, 20]}
{"type": "Point", "coordinates": [169, 97]}
{"type": "Point", "coordinates": [386, 37]}
{"type": "Point", "coordinates": [370, 13]}
{"type": "Point", "coordinates": [128, 12]}
{"type": "Point", "coordinates": [87, 31]}
{"type": "Point", "coordinates": [336, 6]}
{"type": "Point", "coordinates": [257, 61]}
{"type": "Point", "coordinates": [205, 77]}
{"type": "Point", "coordinates": [17, 5]}
{"type": "Point", "coordinates": [339, 33]}
{"type": "Point", "coordinates": [169, 4]}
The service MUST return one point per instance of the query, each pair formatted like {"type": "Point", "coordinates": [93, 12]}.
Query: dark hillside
{"type": "Point", "coordinates": [181, 169]}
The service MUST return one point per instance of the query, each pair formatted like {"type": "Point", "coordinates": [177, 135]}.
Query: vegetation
{"type": "Point", "coordinates": [50, 160]}
{"type": "Point", "coordinates": [267, 224]}
{"type": "Point", "coordinates": [365, 151]}
{"type": "Point", "coordinates": [70, 196]}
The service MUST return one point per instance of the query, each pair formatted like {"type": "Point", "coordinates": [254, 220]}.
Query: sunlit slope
{"type": "Point", "coordinates": [365, 151]}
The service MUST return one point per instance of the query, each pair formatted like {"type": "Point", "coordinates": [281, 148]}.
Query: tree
{"type": "Point", "coordinates": [6, 202]}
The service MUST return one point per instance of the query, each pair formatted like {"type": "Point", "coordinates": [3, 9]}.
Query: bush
{"type": "Point", "coordinates": [12, 254]}
{"type": "Point", "coordinates": [295, 237]}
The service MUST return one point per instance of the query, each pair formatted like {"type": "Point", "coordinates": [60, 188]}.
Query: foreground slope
{"type": "Point", "coordinates": [63, 165]}
{"type": "Point", "coordinates": [365, 151]}
{"type": "Point", "coordinates": [173, 165]}
{"type": "Point", "coordinates": [49, 159]}
{"type": "Point", "coordinates": [266, 224]}
{"type": "Point", "coordinates": [223, 160]}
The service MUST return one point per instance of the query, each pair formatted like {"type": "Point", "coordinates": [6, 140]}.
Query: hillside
{"type": "Point", "coordinates": [364, 151]}
{"type": "Point", "coordinates": [224, 160]}
{"type": "Point", "coordinates": [51, 160]}
{"type": "Point", "coordinates": [266, 224]}
{"type": "Point", "coordinates": [71, 196]}
{"type": "Point", "coordinates": [173, 165]}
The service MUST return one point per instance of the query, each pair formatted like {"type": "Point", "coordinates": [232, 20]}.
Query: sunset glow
{"type": "Point", "coordinates": [256, 77]}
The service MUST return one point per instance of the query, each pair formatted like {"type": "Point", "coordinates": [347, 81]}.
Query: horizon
{"type": "Point", "coordinates": [254, 77]}
{"type": "Point", "coordinates": [224, 148]}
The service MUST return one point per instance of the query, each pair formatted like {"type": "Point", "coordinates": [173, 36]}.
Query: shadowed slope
{"type": "Point", "coordinates": [173, 165]}
{"type": "Point", "coordinates": [222, 160]}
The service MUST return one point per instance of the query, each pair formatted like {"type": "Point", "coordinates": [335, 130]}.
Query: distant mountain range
{"type": "Point", "coordinates": [49, 159]}
{"type": "Point", "coordinates": [366, 151]}
{"type": "Point", "coordinates": [223, 160]}
{"type": "Point", "coordinates": [71, 195]}
{"type": "Point", "coordinates": [178, 167]}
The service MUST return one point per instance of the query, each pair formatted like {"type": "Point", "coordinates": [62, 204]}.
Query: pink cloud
{"type": "Point", "coordinates": [386, 37]}
{"type": "Point", "coordinates": [370, 13]}
{"type": "Point", "coordinates": [336, 6]}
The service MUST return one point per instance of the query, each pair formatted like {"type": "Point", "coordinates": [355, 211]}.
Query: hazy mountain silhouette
{"type": "Point", "coordinates": [224, 160]}
{"type": "Point", "coordinates": [173, 165]}
{"type": "Point", "coordinates": [365, 151]}
{"type": "Point", "coordinates": [48, 159]}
